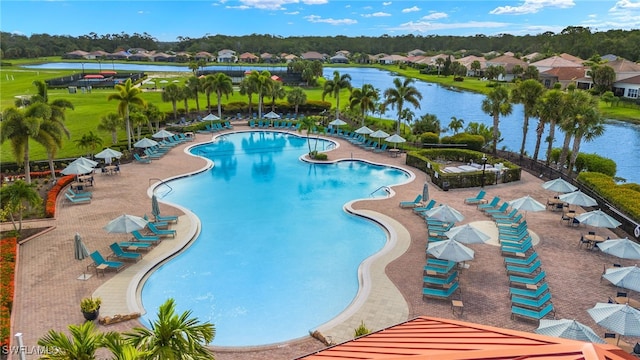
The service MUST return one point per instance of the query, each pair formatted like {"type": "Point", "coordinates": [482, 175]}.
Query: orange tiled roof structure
{"type": "Point", "coordinates": [429, 338]}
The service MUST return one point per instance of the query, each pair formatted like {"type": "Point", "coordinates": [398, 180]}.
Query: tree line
{"type": "Point", "coordinates": [576, 40]}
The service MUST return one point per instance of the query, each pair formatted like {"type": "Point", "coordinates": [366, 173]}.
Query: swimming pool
{"type": "Point", "coordinates": [277, 255]}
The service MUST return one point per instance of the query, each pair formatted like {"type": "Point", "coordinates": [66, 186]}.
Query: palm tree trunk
{"type": "Point", "coordinates": [128, 125]}
{"type": "Point", "coordinates": [565, 150]}
{"type": "Point", "coordinates": [52, 167]}
{"type": "Point", "coordinates": [209, 101]}
{"type": "Point", "coordinates": [577, 140]}
{"type": "Point", "coordinates": [175, 110]}
{"type": "Point", "coordinates": [525, 129]}
{"type": "Point", "coordinates": [539, 131]}
{"type": "Point", "coordinates": [197, 102]}
{"type": "Point", "coordinates": [552, 133]}
{"type": "Point", "coordinates": [219, 95]}
{"type": "Point", "coordinates": [496, 123]}
{"type": "Point", "coordinates": [114, 137]}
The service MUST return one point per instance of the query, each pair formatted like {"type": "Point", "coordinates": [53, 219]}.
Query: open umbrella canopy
{"type": "Point", "coordinates": [619, 318]}
{"type": "Point", "coordinates": [568, 329]}
{"type": "Point", "coordinates": [125, 224]}
{"type": "Point", "coordinates": [395, 138]}
{"type": "Point", "coordinates": [527, 203]}
{"type": "Point", "coordinates": [162, 134]}
{"type": "Point", "coordinates": [578, 198]}
{"type": "Point", "coordinates": [76, 169]}
{"type": "Point", "coordinates": [363, 131]}
{"type": "Point", "coordinates": [379, 134]}
{"type": "Point", "coordinates": [450, 250]}
{"type": "Point", "coordinates": [79, 248]}
{"type": "Point", "coordinates": [559, 185]}
{"type": "Point", "coordinates": [337, 122]}
{"type": "Point", "coordinates": [622, 248]}
{"type": "Point", "coordinates": [467, 234]}
{"type": "Point", "coordinates": [625, 277]}
{"type": "Point", "coordinates": [598, 218]}
{"type": "Point", "coordinates": [145, 143]}
{"type": "Point", "coordinates": [84, 161]}
{"type": "Point", "coordinates": [108, 154]}
{"type": "Point", "coordinates": [444, 213]}
{"type": "Point", "coordinates": [210, 117]}
{"type": "Point", "coordinates": [272, 115]}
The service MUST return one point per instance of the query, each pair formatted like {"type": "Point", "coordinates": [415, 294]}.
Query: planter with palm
{"type": "Point", "coordinates": [90, 308]}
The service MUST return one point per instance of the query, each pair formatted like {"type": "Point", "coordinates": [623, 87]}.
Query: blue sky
{"type": "Point", "coordinates": [166, 20]}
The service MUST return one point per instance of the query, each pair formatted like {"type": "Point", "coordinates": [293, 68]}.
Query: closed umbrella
{"type": "Point", "coordinates": [622, 248]}
{"type": "Point", "coordinates": [625, 277]}
{"type": "Point", "coordinates": [444, 213]}
{"type": "Point", "coordinates": [450, 250]}
{"type": "Point", "coordinates": [84, 161]}
{"type": "Point", "coordinates": [467, 234]}
{"type": "Point", "coordinates": [145, 143]}
{"type": "Point", "coordinates": [578, 198]}
{"type": "Point", "coordinates": [155, 208]}
{"type": "Point", "coordinates": [568, 329]}
{"type": "Point", "coordinates": [619, 318]}
{"type": "Point", "coordinates": [125, 224]}
{"type": "Point", "coordinates": [80, 253]}
{"type": "Point", "coordinates": [395, 139]}
{"type": "Point", "coordinates": [162, 134]}
{"type": "Point", "coordinates": [364, 131]}
{"type": "Point", "coordinates": [559, 185]}
{"type": "Point", "coordinates": [76, 169]}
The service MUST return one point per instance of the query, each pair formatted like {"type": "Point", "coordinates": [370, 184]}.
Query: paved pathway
{"type": "Point", "coordinates": [48, 292]}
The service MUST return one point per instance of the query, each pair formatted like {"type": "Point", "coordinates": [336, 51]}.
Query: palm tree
{"type": "Point", "coordinates": [127, 95]}
{"type": "Point", "coordinates": [173, 94]}
{"type": "Point", "coordinates": [260, 82]}
{"type": "Point", "coordinates": [221, 84]}
{"type": "Point", "coordinates": [84, 342]}
{"type": "Point", "coordinates": [121, 349]}
{"type": "Point", "coordinates": [276, 92]}
{"type": "Point", "coordinates": [139, 119]}
{"type": "Point", "coordinates": [247, 87]}
{"type": "Point", "coordinates": [550, 110]}
{"type": "Point", "coordinates": [17, 197]}
{"type": "Point", "coordinates": [173, 336]}
{"type": "Point", "coordinates": [20, 126]}
{"type": "Point", "coordinates": [364, 98]}
{"type": "Point", "coordinates": [333, 87]}
{"type": "Point", "coordinates": [111, 122]}
{"type": "Point", "coordinates": [402, 92]}
{"type": "Point", "coordinates": [307, 123]}
{"type": "Point", "coordinates": [185, 95]}
{"type": "Point", "coordinates": [527, 93]}
{"type": "Point", "coordinates": [195, 85]}
{"type": "Point", "coordinates": [495, 104]}
{"type": "Point", "coordinates": [296, 97]}
{"type": "Point", "coordinates": [89, 141]}
{"type": "Point", "coordinates": [152, 112]}
{"type": "Point", "coordinates": [456, 124]}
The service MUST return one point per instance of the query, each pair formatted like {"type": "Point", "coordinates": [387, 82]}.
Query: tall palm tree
{"type": "Point", "coordinates": [110, 123]}
{"type": "Point", "coordinates": [261, 82]}
{"type": "Point", "coordinates": [221, 84]}
{"type": "Point", "coordinates": [495, 104]}
{"type": "Point", "coordinates": [550, 110]}
{"type": "Point", "coordinates": [85, 340]}
{"type": "Point", "coordinates": [21, 125]}
{"type": "Point", "coordinates": [247, 87]}
{"type": "Point", "coordinates": [153, 113]}
{"type": "Point", "coordinates": [456, 124]}
{"type": "Point", "coordinates": [16, 198]}
{"type": "Point", "coordinates": [307, 123]}
{"type": "Point", "coordinates": [173, 336]}
{"type": "Point", "coordinates": [527, 93]}
{"type": "Point", "coordinates": [403, 91]}
{"type": "Point", "coordinates": [89, 141]}
{"type": "Point", "coordinates": [365, 98]}
{"type": "Point", "coordinates": [121, 349]}
{"type": "Point", "coordinates": [296, 97]}
{"type": "Point", "coordinates": [195, 85]}
{"type": "Point", "coordinates": [333, 87]}
{"type": "Point", "coordinates": [173, 94]}
{"type": "Point", "coordinates": [186, 94]}
{"type": "Point", "coordinates": [276, 92]}
{"type": "Point", "coordinates": [127, 95]}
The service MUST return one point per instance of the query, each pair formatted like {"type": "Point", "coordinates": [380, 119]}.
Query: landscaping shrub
{"type": "Point", "coordinates": [429, 138]}
{"type": "Point", "coordinates": [8, 247]}
{"type": "Point", "coordinates": [623, 197]}
{"type": "Point", "coordinates": [595, 163]}
{"type": "Point", "coordinates": [235, 107]}
{"type": "Point", "coordinates": [50, 204]}
{"type": "Point", "coordinates": [473, 142]}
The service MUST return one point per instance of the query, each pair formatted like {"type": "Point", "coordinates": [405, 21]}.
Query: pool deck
{"type": "Point", "coordinates": [48, 292]}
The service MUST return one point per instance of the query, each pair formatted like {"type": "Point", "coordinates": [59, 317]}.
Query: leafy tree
{"type": "Point", "coordinates": [550, 110]}
{"type": "Point", "coordinates": [16, 198]}
{"type": "Point", "coordinates": [247, 87]}
{"type": "Point", "coordinates": [517, 70]}
{"type": "Point", "coordinates": [153, 113]}
{"type": "Point", "coordinates": [89, 141]}
{"type": "Point", "coordinates": [364, 98]}
{"type": "Point", "coordinates": [260, 82]}
{"type": "Point", "coordinates": [427, 123]}
{"type": "Point", "coordinates": [456, 124]}
{"type": "Point", "coordinates": [127, 95]}
{"type": "Point", "coordinates": [276, 91]}
{"type": "Point", "coordinates": [110, 123]}
{"type": "Point", "coordinates": [308, 123]}
{"type": "Point", "coordinates": [475, 128]}
{"type": "Point", "coordinates": [195, 86]}
{"type": "Point", "coordinates": [475, 67]}
{"type": "Point", "coordinates": [221, 84]}
{"type": "Point", "coordinates": [85, 340]}
{"type": "Point", "coordinates": [173, 94]}
{"type": "Point", "coordinates": [603, 77]}
{"type": "Point", "coordinates": [609, 98]}
{"type": "Point", "coordinates": [296, 97]}
{"type": "Point", "coordinates": [138, 120]}
{"type": "Point", "coordinates": [496, 104]}
{"type": "Point", "coordinates": [185, 95]}
{"type": "Point", "coordinates": [173, 336]}
{"type": "Point", "coordinates": [121, 349]}
{"type": "Point", "coordinates": [334, 86]}
{"type": "Point", "coordinates": [527, 93]}
{"type": "Point", "coordinates": [403, 91]}
{"type": "Point", "coordinates": [531, 72]}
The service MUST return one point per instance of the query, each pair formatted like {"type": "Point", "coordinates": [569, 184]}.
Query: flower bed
{"type": "Point", "coordinates": [7, 270]}
{"type": "Point", "coordinates": [50, 204]}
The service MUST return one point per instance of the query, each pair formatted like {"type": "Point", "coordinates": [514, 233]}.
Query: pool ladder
{"type": "Point", "coordinates": [162, 182]}
{"type": "Point", "coordinates": [385, 188]}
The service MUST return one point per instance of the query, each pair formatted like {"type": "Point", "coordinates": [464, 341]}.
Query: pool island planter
{"type": "Point", "coordinates": [90, 308]}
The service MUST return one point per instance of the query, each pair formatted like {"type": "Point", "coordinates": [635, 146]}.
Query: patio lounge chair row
{"type": "Point", "coordinates": [445, 293]}
{"type": "Point", "coordinates": [536, 315]}
{"type": "Point", "coordinates": [476, 200]}
{"type": "Point", "coordinates": [412, 204]}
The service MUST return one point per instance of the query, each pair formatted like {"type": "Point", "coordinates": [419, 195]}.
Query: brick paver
{"type": "Point", "coordinates": [48, 293]}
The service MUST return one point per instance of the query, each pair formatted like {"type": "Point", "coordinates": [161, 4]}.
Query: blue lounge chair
{"type": "Point", "coordinates": [411, 204]}
{"type": "Point", "coordinates": [524, 271]}
{"type": "Point", "coordinates": [75, 201]}
{"type": "Point", "coordinates": [99, 260]}
{"type": "Point", "coordinates": [534, 304]}
{"type": "Point", "coordinates": [421, 209]}
{"type": "Point", "coordinates": [119, 253]}
{"type": "Point", "coordinates": [383, 148]}
{"type": "Point", "coordinates": [158, 224]}
{"type": "Point", "coordinates": [522, 262]}
{"type": "Point", "coordinates": [141, 160]}
{"type": "Point", "coordinates": [505, 221]}
{"type": "Point", "coordinates": [430, 281]}
{"type": "Point", "coordinates": [160, 232]}
{"type": "Point", "coordinates": [535, 294]}
{"type": "Point", "coordinates": [509, 215]}
{"type": "Point", "coordinates": [145, 238]}
{"type": "Point", "coordinates": [137, 244]}
{"type": "Point", "coordinates": [524, 281]}
{"type": "Point", "coordinates": [478, 199]}
{"type": "Point", "coordinates": [440, 293]}
{"type": "Point", "coordinates": [490, 205]}
{"type": "Point", "coordinates": [432, 268]}
{"type": "Point", "coordinates": [169, 218]}
{"type": "Point", "coordinates": [500, 210]}
{"type": "Point", "coordinates": [517, 311]}
{"type": "Point", "coordinates": [79, 194]}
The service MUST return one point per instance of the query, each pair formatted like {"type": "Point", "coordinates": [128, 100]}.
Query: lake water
{"type": "Point", "coordinates": [620, 142]}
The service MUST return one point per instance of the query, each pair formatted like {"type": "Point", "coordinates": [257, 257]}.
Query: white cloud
{"type": "Point", "coordinates": [532, 7]}
{"type": "Point", "coordinates": [386, 3]}
{"type": "Point", "coordinates": [239, 7]}
{"type": "Point", "coordinates": [292, 13]}
{"type": "Point", "coordinates": [273, 4]}
{"type": "Point", "coordinates": [411, 9]}
{"type": "Point", "coordinates": [424, 26]}
{"type": "Point", "coordinates": [367, 8]}
{"type": "Point", "coordinates": [319, 19]}
{"type": "Point", "coordinates": [376, 14]}
{"type": "Point", "coordinates": [626, 4]}
{"type": "Point", "coordinates": [435, 16]}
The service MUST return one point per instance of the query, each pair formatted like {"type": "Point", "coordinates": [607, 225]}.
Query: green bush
{"type": "Point", "coordinates": [320, 156]}
{"type": "Point", "coordinates": [595, 163]}
{"type": "Point", "coordinates": [235, 107]}
{"type": "Point", "coordinates": [624, 197]}
{"type": "Point", "coordinates": [473, 142]}
{"type": "Point", "coordinates": [361, 330]}
{"type": "Point", "coordinates": [429, 138]}
{"type": "Point", "coordinates": [555, 155]}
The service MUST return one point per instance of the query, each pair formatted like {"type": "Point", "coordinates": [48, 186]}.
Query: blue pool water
{"type": "Point", "coordinates": [277, 255]}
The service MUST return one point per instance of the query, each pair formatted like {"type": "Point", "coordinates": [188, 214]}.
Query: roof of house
{"type": "Point", "coordinates": [571, 58]}
{"type": "Point", "coordinates": [78, 53]}
{"type": "Point", "coordinates": [631, 80]}
{"type": "Point", "coordinates": [204, 53]}
{"type": "Point", "coordinates": [248, 55]}
{"type": "Point", "coordinates": [566, 73]}
{"type": "Point", "coordinates": [623, 65]}
{"type": "Point", "coordinates": [312, 55]}
{"type": "Point", "coordinates": [506, 59]}
{"type": "Point", "coordinates": [430, 338]}
{"type": "Point", "coordinates": [556, 61]}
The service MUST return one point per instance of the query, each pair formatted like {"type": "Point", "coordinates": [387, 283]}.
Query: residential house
{"type": "Point", "coordinates": [269, 58]}
{"type": "Point", "coordinates": [227, 56]}
{"type": "Point", "coordinates": [98, 54]}
{"type": "Point", "coordinates": [534, 56]}
{"type": "Point", "coordinates": [248, 57]}
{"type": "Point", "coordinates": [555, 62]}
{"type": "Point", "coordinates": [508, 62]}
{"type": "Point", "coordinates": [289, 57]}
{"type": "Point", "coordinates": [203, 55]}
{"type": "Point", "coordinates": [312, 55]}
{"type": "Point", "coordinates": [414, 59]}
{"type": "Point", "coordinates": [392, 59]}
{"type": "Point", "coordinates": [628, 88]}
{"type": "Point", "coordinates": [345, 53]}
{"type": "Point", "coordinates": [468, 60]}
{"type": "Point", "coordinates": [563, 75]}
{"type": "Point", "coordinates": [570, 57]}
{"type": "Point", "coordinates": [609, 57]}
{"type": "Point", "coordinates": [141, 56]}
{"type": "Point", "coordinates": [120, 55]}
{"type": "Point", "coordinates": [416, 52]}
{"type": "Point", "coordinates": [339, 59]}
{"type": "Point", "coordinates": [626, 82]}
{"type": "Point", "coordinates": [161, 57]}
{"type": "Point", "coordinates": [78, 54]}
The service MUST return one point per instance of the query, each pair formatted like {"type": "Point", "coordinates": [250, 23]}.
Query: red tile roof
{"type": "Point", "coordinates": [429, 338]}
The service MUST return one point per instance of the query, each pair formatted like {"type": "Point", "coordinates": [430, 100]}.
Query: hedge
{"type": "Point", "coordinates": [8, 247]}
{"type": "Point", "coordinates": [626, 197]}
